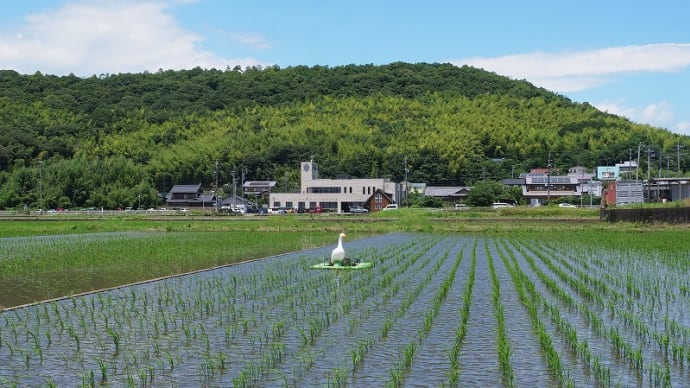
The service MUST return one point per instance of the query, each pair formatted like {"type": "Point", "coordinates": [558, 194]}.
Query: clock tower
{"type": "Point", "coordinates": [309, 172]}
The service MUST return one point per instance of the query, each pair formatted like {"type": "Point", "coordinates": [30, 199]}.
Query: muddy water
{"type": "Point", "coordinates": [530, 368]}
{"type": "Point", "coordinates": [642, 302]}
{"type": "Point", "coordinates": [431, 364]}
{"type": "Point", "coordinates": [384, 354]}
{"type": "Point", "coordinates": [478, 355]}
{"type": "Point", "coordinates": [598, 341]}
{"type": "Point", "coordinates": [177, 332]}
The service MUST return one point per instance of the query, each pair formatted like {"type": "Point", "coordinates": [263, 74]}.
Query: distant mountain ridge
{"type": "Point", "coordinates": [453, 125]}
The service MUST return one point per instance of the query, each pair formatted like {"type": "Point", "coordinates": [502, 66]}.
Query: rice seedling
{"type": "Point", "coordinates": [283, 317]}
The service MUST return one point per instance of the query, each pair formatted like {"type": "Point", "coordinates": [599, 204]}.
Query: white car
{"type": "Point", "coordinates": [391, 206]}
{"type": "Point", "coordinates": [566, 205]}
{"type": "Point", "coordinates": [498, 205]}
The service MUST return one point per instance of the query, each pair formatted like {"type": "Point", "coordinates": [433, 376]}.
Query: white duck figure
{"type": "Point", "coordinates": [338, 253]}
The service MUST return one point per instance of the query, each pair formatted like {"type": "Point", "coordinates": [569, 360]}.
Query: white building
{"type": "Point", "coordinates": [335, 195]}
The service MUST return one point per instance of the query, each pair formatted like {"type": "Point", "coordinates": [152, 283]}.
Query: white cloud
{"type": "Point", "coordinates": [682, 128]}
{"type": "Point", "coordinates": [574, 71]}
{"type": "Point", "coordinates": [568, 72]}
{"type": "Point", "coordinates": [659, 114]}
{"type": "Point", "coordinates": [93, 37]}
{"type": "Point", "coordinates": [617, 108]}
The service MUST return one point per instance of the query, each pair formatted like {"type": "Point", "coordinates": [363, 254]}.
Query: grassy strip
{"type": "Point", "coordinates": [178, 244]}
{"type": "Point", "coordinates": [40, 268]}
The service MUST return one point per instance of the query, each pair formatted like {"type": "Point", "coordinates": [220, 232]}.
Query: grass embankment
{"type": "Point", "coordinates": [141, 248]}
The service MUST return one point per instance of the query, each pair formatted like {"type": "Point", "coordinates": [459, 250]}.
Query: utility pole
{"type": "Point", "coordinates": [217, 191]}
{"type": "Point", "coordinates": [244, 173]}
{"type": "Point", "coordinates": [407, 171]}
{"type": "Point", "coordinates": [234, 191]}
{"type": "Point", "coordinates": [678, 147]}
{"type": "Point", "coordinates": [649, 163]}
{"type": "Point", "coordinates": [637, 170]}
{"type": "Point", "coordinates": [548, 180]}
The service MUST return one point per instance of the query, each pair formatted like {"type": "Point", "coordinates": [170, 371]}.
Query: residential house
{"type": "Point", "coordinates": [452, 194]}
{"type": "Point", "coordinates": [378, 201]}
{"type": "Point", "coordinates": [185, 196]}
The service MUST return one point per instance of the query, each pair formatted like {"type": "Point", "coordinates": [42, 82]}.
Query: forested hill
{"type": "Point", "coordinates": [103, 140]}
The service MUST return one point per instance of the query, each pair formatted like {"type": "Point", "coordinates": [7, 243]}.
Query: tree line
{"type": "Point", "coordinates": [120, 140]}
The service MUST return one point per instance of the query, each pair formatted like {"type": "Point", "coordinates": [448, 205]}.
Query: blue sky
{"type": "Point", "coordinates": [630, 58]}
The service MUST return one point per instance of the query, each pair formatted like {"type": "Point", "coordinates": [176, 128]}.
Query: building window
{"type": "Point", "coordinates": [331, 206]}
{"type": "Point", "coordinates": [324, 190]}
{"type": "Point", "coordinates": [378, 201]}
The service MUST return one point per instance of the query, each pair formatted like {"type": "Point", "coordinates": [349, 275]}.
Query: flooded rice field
{"type": "Point", "coordinates": [435, 310]}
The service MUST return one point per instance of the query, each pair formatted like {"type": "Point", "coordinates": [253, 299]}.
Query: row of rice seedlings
{"type": "Point", "coordinates": [453, 373]}
{"type": "Point", "coordinates": [115, 338]}
{"type": "Point", "coordinates": [527, 295]}
{"type": "Point", "coordinates": [629, 305]}
{"type": "Point", "coordinates": [258, 368]}
{"type": "Point", "coordinates": [595, 285]}
{"type": "Point", "coordinates": [575, 283]}
{"type": "Point", "coordinates": [566, 330]}
{"type": "Point", "coordinates": [644, 277]}
{"type": "Point", "coordinates": [504, 351]}
{"type": "Point", "coordinates": [622, 348]}
{"type": "Point", "coordinates": [409, 350]}
{"type": "Point", "coordinates": [405, 259]}
{"type": "Point", "coordinates": [595, 322]}
{"type": "Point", "coordinates": [643, 332]}
{"type": "Point", "coordinates": [579, 347]}
{"type": "Point", "coordinates": [359, 349]}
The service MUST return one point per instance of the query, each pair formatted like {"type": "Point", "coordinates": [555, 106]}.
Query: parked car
{"type": "Point", "coordinates": [498, 205]}
{"type": "Point", "coordinates": [568, 205]}
{"type": "Point", "coordinates": [391, 206]}
{"type": "Point", "coordinates": [461, 206]}
{"type": "Point", "coordinates": [358, 209]}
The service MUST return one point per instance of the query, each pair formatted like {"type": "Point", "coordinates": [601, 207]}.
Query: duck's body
{"type": "Point", "coordinates": [338, 253]}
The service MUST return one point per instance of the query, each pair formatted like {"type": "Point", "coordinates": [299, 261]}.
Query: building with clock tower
{"type": "Point", "coordinates": [336, 195]}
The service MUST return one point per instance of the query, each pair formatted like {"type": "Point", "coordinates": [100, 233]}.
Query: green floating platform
{"type": "Point", "coordinates": [360, 265]}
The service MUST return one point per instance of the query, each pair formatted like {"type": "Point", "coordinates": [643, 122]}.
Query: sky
{"type": "Point", "coordinates": [629, 58]}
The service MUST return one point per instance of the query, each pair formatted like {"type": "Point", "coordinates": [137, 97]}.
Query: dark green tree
{"type": "Point", "coordinates": [485, 193]}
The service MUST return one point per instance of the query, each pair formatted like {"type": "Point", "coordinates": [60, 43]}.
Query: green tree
{"type": "Point", "coordinates": [485, 193]}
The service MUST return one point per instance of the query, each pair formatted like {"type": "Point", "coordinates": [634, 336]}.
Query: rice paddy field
{"type": "Point", "coordinates": [447, 303]}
